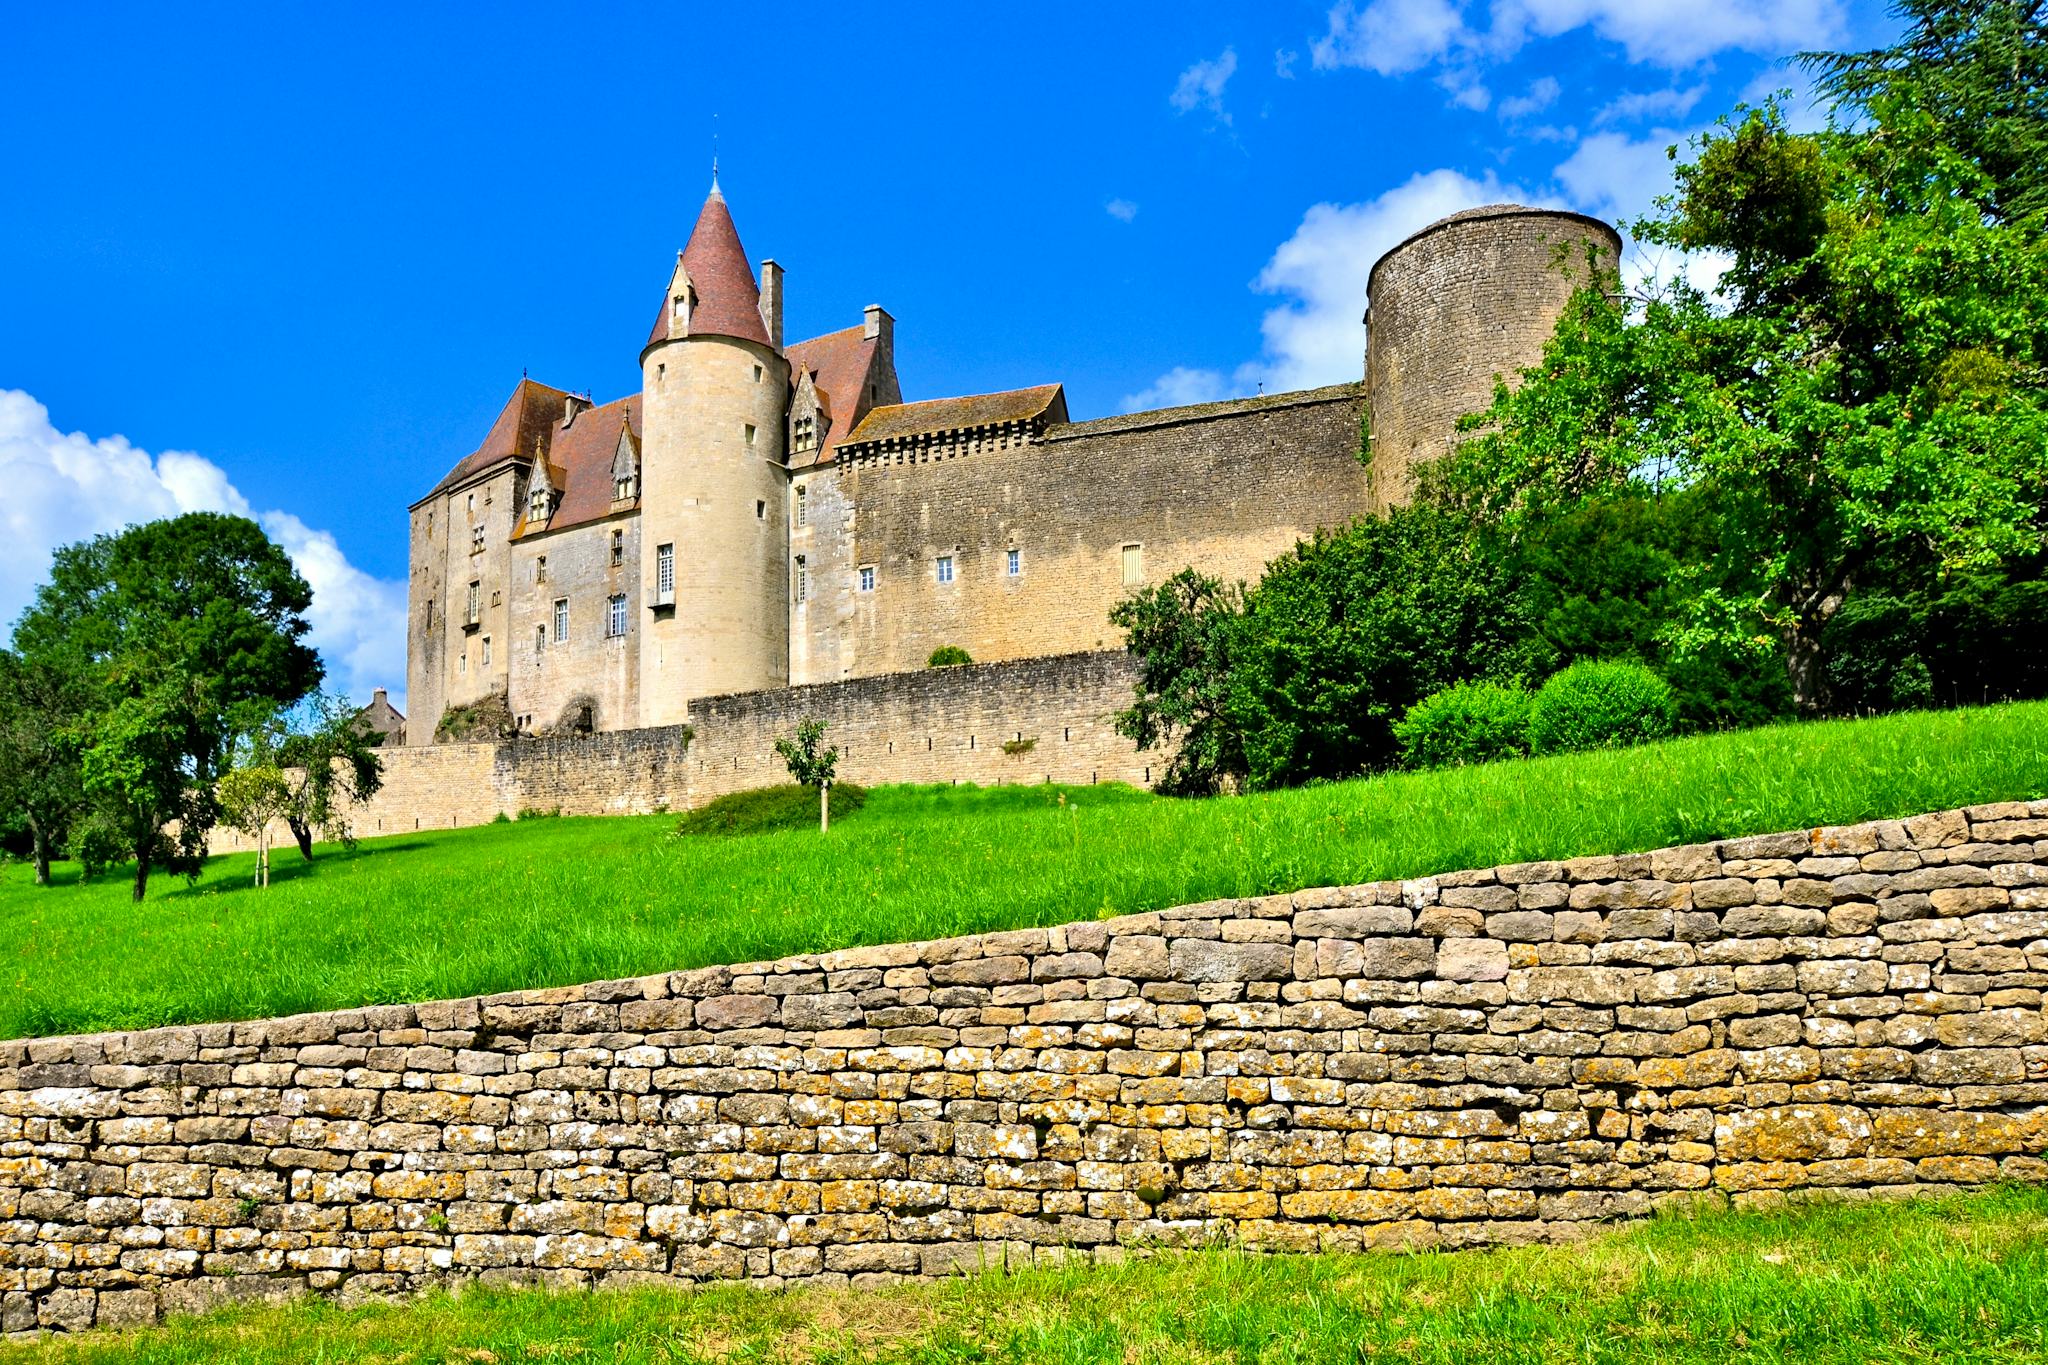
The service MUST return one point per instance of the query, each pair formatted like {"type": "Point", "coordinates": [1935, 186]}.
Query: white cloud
{"type": "Point", "coordinates": [1284, 59]}
{"type": "Point", "coordinates": [1617, 176]}
{"type": "Point", "coordinates": [1542, 93]}
{"type": "Point", "coordinates": [1674, 33]}
{"type": "Point", "coordinates": [67, 486]}
{"type": "Point", "coordinates": [1650, 104]}
{"type": "Point", "coordinates": [1391, 36]}
{"type": "Point", "coordinates": [1123, 210]}
{"type": "Point", "coordinates": [1394, 37]}
{"type": "Point", "coordinates": [1201, 85]}
{"type": "Point", "coordinates": [1316, 335]}
{"type": "Point", "coordinates": [1179, 387]}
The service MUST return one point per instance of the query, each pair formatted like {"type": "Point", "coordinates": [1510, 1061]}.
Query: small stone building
{"type": "Point", "coordinates": [383, 721]}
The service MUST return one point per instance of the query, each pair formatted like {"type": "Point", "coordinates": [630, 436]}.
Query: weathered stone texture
{"type": "Point", "coordinates": [930, 725]}
{"type": "Point", "coordinates": [1345, 1067]}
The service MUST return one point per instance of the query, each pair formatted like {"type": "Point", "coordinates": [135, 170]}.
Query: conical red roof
{"type": "Point", "coordinates": [728, 299]}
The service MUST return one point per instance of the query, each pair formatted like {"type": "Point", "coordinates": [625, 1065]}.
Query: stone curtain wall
{"type": "Point", "coordinates": [1224, 487]}
{"type": "Point", "coordinates": [931, 725]}
{"type": "Point", "coordinates": [1479, 1057]}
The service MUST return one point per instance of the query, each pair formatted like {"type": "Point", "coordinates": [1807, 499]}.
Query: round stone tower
{"type": "Point", "coordinates": [713, 583]}
{"type": "Point", "coordinates": [1467, 298]}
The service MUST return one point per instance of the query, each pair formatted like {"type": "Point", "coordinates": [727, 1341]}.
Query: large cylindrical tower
{"type": "Point", "coordinates": [714, 614]}
{"type": "Point", "coordinates": [1470, 297]}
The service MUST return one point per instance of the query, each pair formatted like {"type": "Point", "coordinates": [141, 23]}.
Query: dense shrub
{"type": "Point", "coordinates": [1613, 576]}
{"type": "Point", "coordinates": [945, 656]}
{"type": "Point", "coordinates": [1919, 639]}
{"type": "Point", "coordinates": [1182, 633]}
{"type": "Point", "coordinates": [1472, 722]}
{"type": "Point", "coordinates": [764, 809]}
{"type": "Point", "coordinates": [1601, 705]}
{"type": "Point", "coordinates": [1348, 630]}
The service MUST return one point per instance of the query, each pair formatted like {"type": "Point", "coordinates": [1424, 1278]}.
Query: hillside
{"type": "Point", "coordinates": [534, 903]}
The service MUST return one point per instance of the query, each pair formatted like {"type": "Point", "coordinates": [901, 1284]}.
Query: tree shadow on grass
{"type": "Point", "coordinates": [286, 867]}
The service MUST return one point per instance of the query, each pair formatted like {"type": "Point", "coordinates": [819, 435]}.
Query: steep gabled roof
{"type": "Point", "coordinates": [839, 364]}
{"type": "Point", "coordinates": [1043, 404]}
{"type": "Point", "coordinates": [527, 419]}
{"type": "Point", "coordinates": [728, 298]}
{"type": "Point", "coordinates": [580, 463]}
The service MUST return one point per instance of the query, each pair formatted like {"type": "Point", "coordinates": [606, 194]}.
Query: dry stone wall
{"type": "Point", "coordinates": [1480, 1057]}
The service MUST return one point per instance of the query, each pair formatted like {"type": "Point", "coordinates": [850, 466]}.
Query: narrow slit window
{"type": "Point", "coordinates": [945, 568]}
{"type": "Point", "coordinates": [1013, 564]}
{"type": "Point", "coordinates": [618, 548]}
{"type": "Point", "coordinates": [664, 574]}
{"type": "Point", "coordinates": [1133, 565]}
{"type": "Point", "coordinates": [867, 578]}
{"type": "Point", "coordinates": [561, 620]}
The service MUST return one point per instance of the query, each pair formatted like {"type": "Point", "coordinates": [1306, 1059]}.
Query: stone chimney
{"type": "Point", "coordinates": [771, 302]}
{"type": "Point", "coordinates": [877, 325]}
{"type": "Point", "coordinates": [377, 698]}
{"type": "Point", "coordinates": [571, 405]}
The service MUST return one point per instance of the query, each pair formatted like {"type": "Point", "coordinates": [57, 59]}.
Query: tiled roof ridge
{"type": "Point", "coordinates": [897, 421]}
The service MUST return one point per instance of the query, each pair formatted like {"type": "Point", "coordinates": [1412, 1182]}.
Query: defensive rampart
{"type": "Point", "coordinates": [1479, 1057]}
{"type": "Point", "coordinates": [1027, 721]}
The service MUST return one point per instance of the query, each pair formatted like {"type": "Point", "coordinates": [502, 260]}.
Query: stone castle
{"type": "Point", "coordinates": [765, 515]}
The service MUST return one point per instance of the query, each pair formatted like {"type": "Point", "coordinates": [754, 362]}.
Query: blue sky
{"type": "Point", "coordinates": [291, 260]}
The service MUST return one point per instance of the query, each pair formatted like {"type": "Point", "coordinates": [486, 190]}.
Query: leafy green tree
{"type": "Point", "coordinates": [1348, 630]}
{"type": "Point", "coordinates": [1608, 578]}
{"type": "Point", "coordinates": [253, 797]}
{"type": "Point", "coordinates": [330, 764]}
{"type": "Point", "coordinates": [945, 656]}
{"type": "Point", "coordinates": [40, 699]}
{"type": "Point", "coordinates": [811, 765]}
{"type": "Point", "coordinates": [1979, 70]}
{"type": "Point", "coordinates": [189, 632]}
{"type": "Point", "coordinates": [1872, 377]}
{"type": "Point", "coordinates": [1181, 634]}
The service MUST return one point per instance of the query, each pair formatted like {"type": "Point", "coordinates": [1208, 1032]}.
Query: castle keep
{"type": "Point", "coordinates": [765, 515]}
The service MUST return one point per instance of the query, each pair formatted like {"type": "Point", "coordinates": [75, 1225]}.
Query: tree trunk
{"type": "Point", "coordinates": [824, 806]}
{"type": "Point", "coordinates": [42, 851]}
{"type": "Point", "coordinates": [141, 876]}
{"type": "Point", "coordinates": [1804, 661]}
{"type": "Point", "coordinates": [303, 833]}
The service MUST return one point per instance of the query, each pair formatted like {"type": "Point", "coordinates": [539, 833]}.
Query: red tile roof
{"type": "Point", "coordinates": [580, 463]}
{"type": "Point", "coordinates": [728, 299]}
{"type": "Point", "coordinates": [839, 363]}
{"type": "Point", "coordinates": [528, 416]}
{"type": "Point", "coordinates": [1046, 403]}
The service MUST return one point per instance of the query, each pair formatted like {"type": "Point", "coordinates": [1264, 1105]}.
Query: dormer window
{"type": "Point", "coordinates": [622, 489]}
{"type": "Point", "coordinates": [803, 432]}
{"type": "Point", "coordinates": [537, 502]}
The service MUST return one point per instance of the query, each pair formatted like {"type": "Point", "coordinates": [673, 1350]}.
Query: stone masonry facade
{"type": "Point", "coordinates": [765, 513]}
{"type": "Point", "coordinates": [1508, 1055]}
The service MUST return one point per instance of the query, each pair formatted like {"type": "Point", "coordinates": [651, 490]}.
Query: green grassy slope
{"type": "Point", "coordinates": [1960, 1279]}
{"type": "Point", "coordinates": [550, 902]}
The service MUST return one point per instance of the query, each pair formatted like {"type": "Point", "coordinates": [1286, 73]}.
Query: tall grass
{"type": "Point", "coordinates": [1958, 1279]}
{"type": "Point", "coordinates": [550, 902]}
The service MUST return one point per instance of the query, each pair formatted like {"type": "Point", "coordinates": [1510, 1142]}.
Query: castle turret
{"type": "Point", "coordinates": [1470, 297]}
{"type": "Point", "coordinates": [714, 581]}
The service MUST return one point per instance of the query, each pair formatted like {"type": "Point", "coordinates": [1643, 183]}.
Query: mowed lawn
{"type": "Point", "coordinates": [1957, 1279]}
{"type": "Point", "coordinates": [551, 902]}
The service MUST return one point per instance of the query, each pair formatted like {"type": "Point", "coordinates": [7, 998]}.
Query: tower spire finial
{"type": "Point", "coordinates": [715, 192]}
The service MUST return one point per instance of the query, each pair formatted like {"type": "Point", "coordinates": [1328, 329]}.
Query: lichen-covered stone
{"type": "Point", "coordinates": [1453, 1060]}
